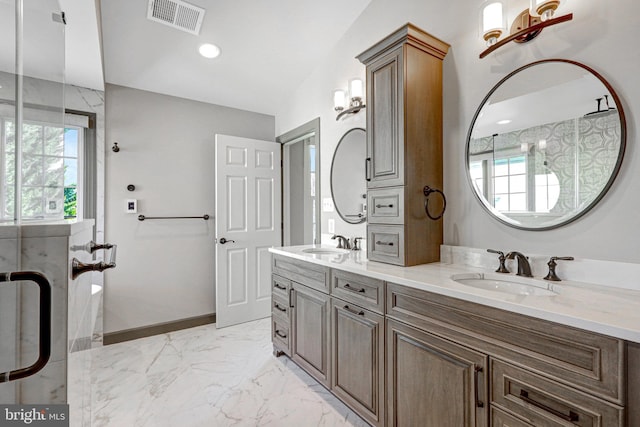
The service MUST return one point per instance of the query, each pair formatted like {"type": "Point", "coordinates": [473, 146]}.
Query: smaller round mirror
{"type": "Point", "coordinates": [348, 183]}
{"type": "Point", "coordinates": [546, 144]}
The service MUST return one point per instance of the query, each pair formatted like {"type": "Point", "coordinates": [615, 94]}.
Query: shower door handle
{"type": "Point", "coordinates": [44, 347]}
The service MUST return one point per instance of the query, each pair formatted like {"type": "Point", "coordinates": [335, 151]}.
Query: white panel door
{"type": "Point", "coordinates": [248, 223]}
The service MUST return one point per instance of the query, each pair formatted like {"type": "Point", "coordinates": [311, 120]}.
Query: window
{"type": "Point", "coordinates": [510, 181]}
{"type": "Point", "coordinates": [51, 170]}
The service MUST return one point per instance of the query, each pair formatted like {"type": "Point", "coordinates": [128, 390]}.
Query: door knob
{"type": "Point", "coordinates": [222, 241]}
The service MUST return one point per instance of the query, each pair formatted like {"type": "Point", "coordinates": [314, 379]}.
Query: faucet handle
{"type": "Point", "coordinates": [336, 236]}
{"type": "Point", "coordinates": [502, 268]}
{"type": "Point", "coordinates": [356, 244]}
{"type": "Point", "coordinates": [551, 275]}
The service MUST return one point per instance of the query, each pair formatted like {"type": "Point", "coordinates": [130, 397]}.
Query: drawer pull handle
{"type": "Point", "coordinates": [280, 334]}
{"type": "Point", "coordinates": [384, 243]}
{"type": "Point", "coordinates": [278, 307]}
{"type": "Point", "coordinates": [524, 395]}
{"type": "Point", "coordinates": [279, 286]}
{"type": "Point", "coordinates": [367, 170]}
{"type": "Point", "coordinates": [476, 375]}
{"type": "Point", "coordinates": [351, 310]}
{"type": "Point", "coordinates": [352, 289]}
{"type": "Point", "coordinates": [384, 206]}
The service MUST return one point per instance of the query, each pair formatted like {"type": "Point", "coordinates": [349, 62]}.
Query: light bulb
{"type": "Point", "coordinates": [544, 8]}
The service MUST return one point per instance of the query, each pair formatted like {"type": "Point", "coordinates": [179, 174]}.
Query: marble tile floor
{"type": "Point", "coordinates": [208, 377]}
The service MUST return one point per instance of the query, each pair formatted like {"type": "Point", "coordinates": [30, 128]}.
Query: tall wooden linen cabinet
{"type": "Point", "coordinates": [404, 146]}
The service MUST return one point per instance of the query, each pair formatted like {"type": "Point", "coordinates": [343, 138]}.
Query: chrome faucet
{"type": "Point", "coordinates": [343, 242]}
{"type": "Point", "coordinates": [524, 269]}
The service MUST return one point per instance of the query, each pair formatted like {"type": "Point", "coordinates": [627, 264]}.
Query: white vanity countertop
{"type": "Point", "coordinates": [602, 309]}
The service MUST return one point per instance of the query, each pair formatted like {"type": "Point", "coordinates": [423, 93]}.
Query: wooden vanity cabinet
{"type": "Point", "coordinates": [400, 356]}
{"type": "Point", "coordinates": [358, 344]}
{"type": "Point", "coordinates": [301, 315]}
{"type": "Point", "coordinates": [433, 382]}
{"type": "Point", "coordinates": [541, 373]}
{"type": "Point", "coordinates": [404, 145]}
{"type": "Point", "coordinates": [310, 325]}
{"type": "Point", "coordinates": [357, 352]}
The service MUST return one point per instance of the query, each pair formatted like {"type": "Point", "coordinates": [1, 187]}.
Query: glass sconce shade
{"type": "Point", "coordinates": [493, 21]}
{"type": "Point", "coordinates": [339, 99]}
{"type": "Point", "coordinates": [544, 8]}
{"type": "Point", "coordinates": [355, 88]}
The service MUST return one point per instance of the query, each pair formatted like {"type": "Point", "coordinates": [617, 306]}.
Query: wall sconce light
{"type": "Point", "coordinates": [527, 25]}
{"type": "Point", "coordinates": [355, 103]}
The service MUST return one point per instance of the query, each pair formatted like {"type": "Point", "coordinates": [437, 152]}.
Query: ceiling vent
{"type": "Point", "coordinates": [177, 14]}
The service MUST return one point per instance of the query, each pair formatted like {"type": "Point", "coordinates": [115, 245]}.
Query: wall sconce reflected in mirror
{"type": "Point", "coordinates": [525, 27]}
{"type": "Point", "coordinates": [356, 103]}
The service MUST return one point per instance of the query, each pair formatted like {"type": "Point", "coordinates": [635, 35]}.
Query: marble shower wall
{"type": "Point", "coordinates": [47, 94]}
{"type": "Point", "coordinates": [45, 247]}
{"type": "Point", "coordinates": [92, 101]}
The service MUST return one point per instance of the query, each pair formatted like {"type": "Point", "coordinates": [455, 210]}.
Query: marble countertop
{"type": "Point", "coordinates": [602, 309]}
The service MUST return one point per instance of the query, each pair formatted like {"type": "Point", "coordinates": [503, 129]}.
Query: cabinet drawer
{"type": "Point", "coordinates": [385, 206]}
{"type": "Point", "coordinates": [363, 291]}
{"type": "Point", "coordinates": [591, 362]}
{"type": "Point", "coordinates": [502, 419]}
{"type": "Point", "coordinates": [309, 274]}
{"type": "Point", "coordinates": [280, 334]}
{"type": "Point", "coordinates": [545, 402]}
{"type": "Point", "coordinates": [385, 243]}
{"type": "Point", "coordinates": [280, 286]}
{"type": "Point", "coordinates": [280, 307]}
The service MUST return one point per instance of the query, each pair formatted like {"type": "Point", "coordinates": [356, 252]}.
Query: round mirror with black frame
{"type": "Point", "coordinates": [348, 181]}
{"type": "Point", "coordinates": [545, 144]}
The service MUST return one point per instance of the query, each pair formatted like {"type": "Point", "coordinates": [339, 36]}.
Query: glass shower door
{"type": "Point", "coordinates": [31, 184]}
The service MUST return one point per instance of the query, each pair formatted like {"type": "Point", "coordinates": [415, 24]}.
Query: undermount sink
{"type": "Point", "coordinates": [513, 285]}
{"type": "Point", "coordinates": [325, 251]}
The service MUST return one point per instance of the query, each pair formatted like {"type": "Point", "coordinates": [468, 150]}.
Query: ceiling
{"type": "Point", "coordinates": [268, 49]}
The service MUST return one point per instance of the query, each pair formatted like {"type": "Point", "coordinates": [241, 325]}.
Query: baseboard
{"type": "Point", "coordinates": [157, 329]}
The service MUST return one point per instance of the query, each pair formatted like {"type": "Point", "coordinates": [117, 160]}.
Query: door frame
{"type": "Point", "coordinates": [304, 130]}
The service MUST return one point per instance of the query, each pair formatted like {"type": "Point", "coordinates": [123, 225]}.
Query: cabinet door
{"type": "Point", "coordinates": [310, 330]}
{"type": "Point", "coordinates": [385, 118]}
{"type": "Point", "coordinates": [433, 382]}
{"type": "Point", "coordinates": [358, 359]}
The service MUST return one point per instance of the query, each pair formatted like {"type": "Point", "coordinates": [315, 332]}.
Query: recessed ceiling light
{"type": "Point", "coordinates": [504, 122]}
{"type": "Point", "coordinates": [209, 50]}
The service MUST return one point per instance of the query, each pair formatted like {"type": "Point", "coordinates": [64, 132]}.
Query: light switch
{"type": "Point", "coordinates": [327, 205]}
{"type": "Point", "coordinates": [131, 206]}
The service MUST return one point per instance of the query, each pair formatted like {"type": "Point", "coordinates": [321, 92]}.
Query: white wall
{"type": "Point", "coordinates": [601, 36]}
{"type": "Point", "coordinates": [165, 268]}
